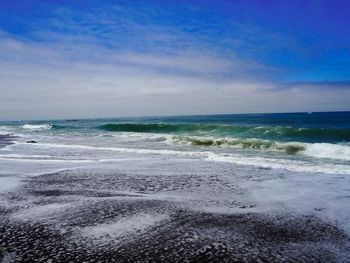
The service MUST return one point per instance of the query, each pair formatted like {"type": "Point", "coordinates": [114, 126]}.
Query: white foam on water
{"type": "Point", "coordinates": [138, 136]}
{"type": "Point", "coordinates": [286, 164]}
{"type": "Point", "coordinates": [24, 168]}
{"type": "Point", "coordinates": [315, 150]}
{"type": "Point", "coordinates": [264, 162]}
{"type": "Point", "coordinates": [37, 127]}
{"type": "Point", "coordinates": [4, 130]}
{"type": "Point", "coordinates": [31, 159]}
{"type": "Point", "coordinates": [115, 149]}
{"type": "Point", "coordinates": [328, 150]}
{"type": "Point", "coordinates": [16, 155]}
{"type": "Point", "coordinates": [8, 184]}
{"type": "Point", "coordinates": [124, 227]}
{"type": "Point", "coordinates": [324, 195]}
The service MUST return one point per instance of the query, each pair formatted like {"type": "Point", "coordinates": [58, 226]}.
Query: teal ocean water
{"type": "Point", "coordinates": [311, 142]}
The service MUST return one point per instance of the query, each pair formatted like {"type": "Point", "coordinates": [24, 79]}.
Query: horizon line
{"type": "Point", "coordinates": [167, 116]}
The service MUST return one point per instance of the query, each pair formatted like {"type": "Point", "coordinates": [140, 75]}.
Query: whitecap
{"type": "Point", "coordinates": [37, 127]}
{"type": "Point", "coordinates": [328, 151]}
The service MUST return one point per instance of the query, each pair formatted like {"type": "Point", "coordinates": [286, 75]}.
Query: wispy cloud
{"type": "Point", "coordinates": [124, 61]}
{"type": "Point", "coordinates": [316, 85]}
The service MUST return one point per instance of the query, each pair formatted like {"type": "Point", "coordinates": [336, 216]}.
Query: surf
{"type": "Point", "coordinates": [37, 126]}
{"type": "Point", "coordinates": [283, 133]}
{"type": "Point", "coordinates": [250, 143]}
{"type": "Point", "coordinates": [295, 165]}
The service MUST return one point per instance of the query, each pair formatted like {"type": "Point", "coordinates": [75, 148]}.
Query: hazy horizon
{"type": "Point", "coordinates": [165, 116]}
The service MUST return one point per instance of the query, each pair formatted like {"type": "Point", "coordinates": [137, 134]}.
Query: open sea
{"type": "Point", "coordinates": [223, 187]}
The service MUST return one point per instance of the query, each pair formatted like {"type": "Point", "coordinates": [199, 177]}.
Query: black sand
{"type": "Point", "coordinates": [185, 234]}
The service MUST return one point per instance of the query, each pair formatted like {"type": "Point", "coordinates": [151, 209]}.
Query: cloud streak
{"type": "Point", "coordinates": [136, 62]}
{"type": "Point", "coordinates": [61, 82]}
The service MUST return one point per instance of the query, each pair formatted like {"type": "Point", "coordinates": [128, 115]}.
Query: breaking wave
{"type": "Point", "coordinates": [281, 132]}
{"type": "Point", "coordinates": [37, 126]}
{"type": "Point", "coordinates": [43, 127]}
{"type": "Point", "coordinates": [328, 150]}
{"type": "Point", "coordinates": [315, 150]}
{"type": "Point", "coordinates": [254, 144]}
{"type": "Point", "coordinates": [257, 161]}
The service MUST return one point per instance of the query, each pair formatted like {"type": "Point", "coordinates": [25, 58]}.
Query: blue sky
{"type": "Point", "coordinates": [122, 58]}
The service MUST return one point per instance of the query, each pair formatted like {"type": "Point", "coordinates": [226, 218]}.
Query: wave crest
{"type": "Point", "coordinates": [289, 148]}
{"type": "Point", "coordinates": [42, 127]}
{"type": "Point", "coordinates": [265, 162]}
{"type": "Point", "coordinates": [285, 133]}
{"type": "Point", "coordinates": [37, 126]}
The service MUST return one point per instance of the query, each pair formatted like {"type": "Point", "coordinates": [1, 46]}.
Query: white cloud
{"type": "Point", "coordinates": [61, 80]}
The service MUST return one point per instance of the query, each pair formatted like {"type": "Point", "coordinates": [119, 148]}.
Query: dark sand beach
{"type": "Point", "coordinates": [82, 215]}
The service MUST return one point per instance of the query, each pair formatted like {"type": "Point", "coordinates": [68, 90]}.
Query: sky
{"type": "Point", "coordinates": [91, 59]}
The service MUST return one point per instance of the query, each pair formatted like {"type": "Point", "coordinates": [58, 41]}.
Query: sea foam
{"type": "Point", "coordinates": [257, 161]}
{"type": "Point", "coordinates": [328, 150]}
{"type": "Point", "coordinates": [37, 127]}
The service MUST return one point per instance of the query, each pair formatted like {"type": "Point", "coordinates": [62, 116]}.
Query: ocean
{"type": "Point", "coordinates": [300, 142]}
{"type": "Point", "coordinates": [122, 180]}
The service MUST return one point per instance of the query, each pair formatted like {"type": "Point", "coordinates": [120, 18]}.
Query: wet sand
{"type": "Point", "coordinates": [80, 216]}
